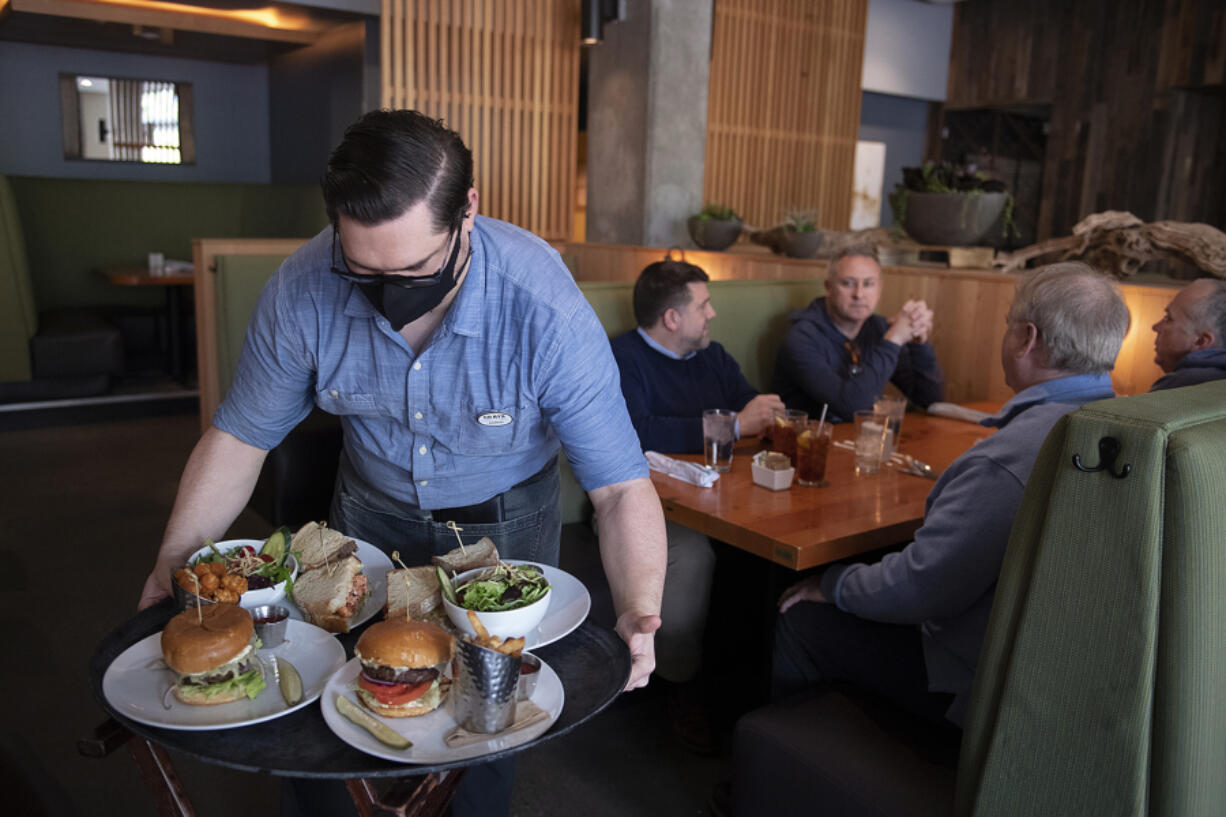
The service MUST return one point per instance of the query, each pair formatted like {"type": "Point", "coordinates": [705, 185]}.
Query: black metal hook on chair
{"type": "Point", "coordinates": [1108, 449]}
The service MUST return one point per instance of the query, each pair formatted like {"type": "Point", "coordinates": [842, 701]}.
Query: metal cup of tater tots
{"type": "Point", "coordinates": [485, 685]}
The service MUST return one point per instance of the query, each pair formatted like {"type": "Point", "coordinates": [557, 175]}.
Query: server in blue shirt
{"type": "Point", "coordinates": [459, 355]}
{"type": "Point", "coordinates": [1190, 340]}
{"type": "Point", "coordinates": [910, 626]}
{"type": "Point", "coordinates": [671, 372]}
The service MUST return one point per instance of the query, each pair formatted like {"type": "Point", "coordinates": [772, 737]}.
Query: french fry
{"type": "Point", "coordinates": [482, 633]}
{"type": "Point", "coordinates": [512, 646]}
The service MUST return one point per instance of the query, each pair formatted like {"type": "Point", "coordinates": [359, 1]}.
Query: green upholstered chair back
{"type": "Point", "coordinates": [240, 279]}
{"type": "Point", "coordinates": [1101, 688]}
{"type": "Point", "coordinates": [18, 315]}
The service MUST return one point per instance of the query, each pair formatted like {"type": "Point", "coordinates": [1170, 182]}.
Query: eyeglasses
{"type": "Point", "coordinates": [340, 268]}
{"type": "Point", "coordinates": [853, 356]}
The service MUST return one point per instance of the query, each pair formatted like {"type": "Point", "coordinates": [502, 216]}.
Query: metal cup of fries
{"type": "Point", "coordinates": [486, 680]}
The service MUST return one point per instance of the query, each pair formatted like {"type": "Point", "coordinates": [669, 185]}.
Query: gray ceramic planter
{"type": "Point", "coordinates": [953, 219]}
{"type": "Point", "coordinates": [714, 234]}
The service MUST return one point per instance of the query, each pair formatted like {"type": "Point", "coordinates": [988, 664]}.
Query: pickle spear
{"type": "Point", "coordinates": [289, 680]}
{"type": "Point", "coordinates": [381, 731]}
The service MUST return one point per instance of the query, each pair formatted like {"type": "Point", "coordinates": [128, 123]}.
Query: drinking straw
{"type": "Point", "coordinates": [822, 421]}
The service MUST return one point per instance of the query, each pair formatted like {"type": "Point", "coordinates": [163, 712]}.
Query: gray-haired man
{"type": "Point", "coordinates": [1190, 340]}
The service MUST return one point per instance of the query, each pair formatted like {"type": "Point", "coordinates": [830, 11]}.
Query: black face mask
{"type": "Point", "coordinates": [402, 305]}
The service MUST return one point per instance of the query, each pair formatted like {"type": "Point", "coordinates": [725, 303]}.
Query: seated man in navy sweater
{"type": "Point", "coordinates": [838, 352]}
{"type": "Point", "coordinates": [670, 373]}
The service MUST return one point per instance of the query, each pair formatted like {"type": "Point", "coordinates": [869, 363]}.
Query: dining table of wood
{"type": "Point", "coordinates": [171, 284]}
{"type": "Point", "coordinates": [803, 527]}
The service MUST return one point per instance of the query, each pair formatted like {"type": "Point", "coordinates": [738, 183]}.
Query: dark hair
{"type": "Point", "coordinates": [663, 286]}
{"type": "Point", "coordinates": [391, 160]}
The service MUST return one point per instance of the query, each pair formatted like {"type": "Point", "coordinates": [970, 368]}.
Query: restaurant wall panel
{"type": "Point", "coordinates": [784, 108]}
{"type": "Point", "coordinates": [1134, 94]}
{"type": "Point", "coordinates": [505, 76]}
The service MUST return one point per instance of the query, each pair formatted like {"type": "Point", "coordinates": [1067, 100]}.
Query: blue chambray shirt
{"type": "Point", "coordinates": [519, 340]}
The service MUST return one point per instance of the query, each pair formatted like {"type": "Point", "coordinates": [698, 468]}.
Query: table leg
{"type": "Point", "coordinates": [158, 772]}
{"type": "Point", "coordinates": [417, 796]}
{"type": "Point", "coordinates": [174, 331]}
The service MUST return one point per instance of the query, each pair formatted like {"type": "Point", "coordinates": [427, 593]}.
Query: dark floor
{"type": "Point", "coordinates": [81, 513]}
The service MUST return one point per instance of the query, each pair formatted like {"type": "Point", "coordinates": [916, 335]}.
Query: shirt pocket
{"type": "Point", "coordinates": [487, 432]}
{"type": "Point", "coordinates": [336, 401]}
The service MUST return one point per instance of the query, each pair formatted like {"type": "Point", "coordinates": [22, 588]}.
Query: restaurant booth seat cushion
{"type": "Point", "coordinates": [55, 354]}
{"type": "Point", "coordinates": [1099, 686]}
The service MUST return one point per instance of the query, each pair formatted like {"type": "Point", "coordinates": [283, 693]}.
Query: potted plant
{"type": "Point", "coordinates": [715, 228]}
{"type": "Point", "coordinates": [797, 237]}
{"type": "Point", "coordinates": [950, 205]}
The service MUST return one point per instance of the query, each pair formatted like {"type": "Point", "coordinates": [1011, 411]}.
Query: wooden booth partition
{"type": "Point", "coordinates": [214, 350]}
{"type": "Point", "coordinates": [783, 108]}
{"type": "Point", "coordinates": [505, 76]}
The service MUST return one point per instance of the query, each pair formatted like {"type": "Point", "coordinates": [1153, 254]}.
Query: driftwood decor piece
{"type": "Point", "coordinates": [1119, 242]}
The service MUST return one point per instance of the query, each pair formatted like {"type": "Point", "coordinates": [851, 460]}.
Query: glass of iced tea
{"type": "Point", "coordinates": [787, 424]}
{"type": "Point", "coordinates": [812, 446]}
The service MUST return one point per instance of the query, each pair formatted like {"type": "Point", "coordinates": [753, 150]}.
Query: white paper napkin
{"type": "Point", "coordinates": [690, 472]}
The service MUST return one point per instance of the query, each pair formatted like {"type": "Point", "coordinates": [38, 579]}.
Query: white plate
{"type": "Point", "coordinates": [569, 603]}
{"type": "Point", "coordinates": [375, 565]}
{"type": "Point", "coordinates": [136, 682]}
{"type": "Point", "coordinates": [426, 732]}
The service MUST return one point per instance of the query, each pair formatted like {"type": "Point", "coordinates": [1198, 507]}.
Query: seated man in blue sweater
{"type": "Point", "coordinates": [1190, 340]}
{"type": "Point", "coordinates": [670, 372]}
{"type": "Point", "coordinates": [838, 352]}
{"type": "Point", "coordinates": [909, 627]}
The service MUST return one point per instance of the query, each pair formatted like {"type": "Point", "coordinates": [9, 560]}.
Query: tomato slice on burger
{"type": "Point", "coordinates": [393, 694]}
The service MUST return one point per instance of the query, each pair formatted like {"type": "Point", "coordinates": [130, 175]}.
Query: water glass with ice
{"type": "Point", "coordinates": [718, 435]}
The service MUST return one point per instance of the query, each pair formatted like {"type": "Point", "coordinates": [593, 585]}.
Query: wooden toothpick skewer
{"type": "Point", "coordinates": [456, 530]}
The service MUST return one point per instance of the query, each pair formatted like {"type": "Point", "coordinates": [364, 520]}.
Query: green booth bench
{"type": "Point", "coordinates": [58, 318]}
{"type": "Point", "coordinates": [751, 321]}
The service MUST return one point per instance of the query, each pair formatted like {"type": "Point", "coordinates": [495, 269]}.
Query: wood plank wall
{"type": "Point", "coordinates": [1135, 96]}
{"type": "Point", "coordinates": [784, 108]}
{"type": "Point", "coordinates": [970, 307]}
{"type": "Point", "coordinates": [505, 76]}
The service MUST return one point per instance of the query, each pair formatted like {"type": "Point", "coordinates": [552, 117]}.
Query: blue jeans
{"type": "Point", "coordinates": [531, 529]}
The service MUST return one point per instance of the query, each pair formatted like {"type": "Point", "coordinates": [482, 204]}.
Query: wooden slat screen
{"type": "Point", "coordinates": [505, 76]}
{"type": "Point", "coordinates": [784, 108]}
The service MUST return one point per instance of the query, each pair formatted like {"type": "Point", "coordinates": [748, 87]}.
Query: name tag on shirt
{"type": "Point", "coordinates": [494, 418]}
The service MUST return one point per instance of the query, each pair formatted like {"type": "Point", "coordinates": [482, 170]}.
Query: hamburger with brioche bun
{"type": "Point", "coordinates": [402, 667]}
{"type": "Point", "coordinates": [212, 648]}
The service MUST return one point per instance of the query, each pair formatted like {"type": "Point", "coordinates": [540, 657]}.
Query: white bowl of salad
{"type": "Point", "coordinates": [266, 568]}
{"type": "Point", "coordinates": [509, 599]}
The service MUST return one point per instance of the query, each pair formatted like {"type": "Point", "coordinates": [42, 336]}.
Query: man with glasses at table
{"type": "Point", "coordinates": [458, 353]}
{"type": "Point", "coordinates": [838, 352]}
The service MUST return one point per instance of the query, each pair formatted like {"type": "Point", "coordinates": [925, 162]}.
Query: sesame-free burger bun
{"type": "Point", "coordinates": [198, 642]}
{"type": "Point", "coordinates": [404, 643]}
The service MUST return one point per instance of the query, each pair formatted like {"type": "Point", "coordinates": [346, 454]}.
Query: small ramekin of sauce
{"type": "Point", "coordinates": [270, 623]}
{"type": "Point", "coordinates": [529, 671]}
